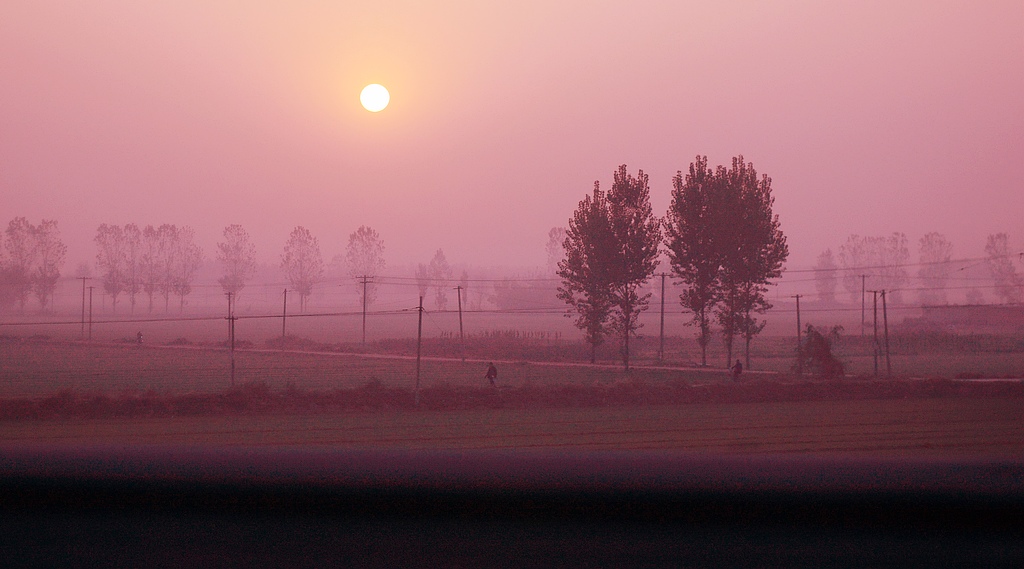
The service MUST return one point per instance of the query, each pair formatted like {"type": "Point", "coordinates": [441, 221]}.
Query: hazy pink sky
{"type": "Point", "coordinates": [870, 117]}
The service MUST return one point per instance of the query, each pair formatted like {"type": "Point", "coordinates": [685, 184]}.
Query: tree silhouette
{"type": "Point", "coordinates": [187, 258]}
{"type": "Point", "coordinates": [555, 248]}
{"type": "Point", "coordinates": [690, 237]}
{"type": "Point", "coordinates": [364, 257]}
{"type": "Point", "coordinates": [586, 269]}
{"type": "Point", "coordinates": [110, 258]}
{"type": "Point", "coordinates": [1000, 265]}
{"type": "Point", "coordinates": [302, 263]}
{"type": "Point", "coordinates": [50, 255]}
{"type": "Point", "coordinates": [440, 274]}
{"type": "Point", "coordinates": [238, 255]}
{"type": "Point", "coordinates": [934, 254]}
{"type": "Point", "coordinates": [133, 249]}
{"type": "Point", "coordinates": [637, 237]}
{"type": "Point", "coordinates": [21, 257]}
{"type": "Point", "coordinates": [825, 279]}
{"type": "Point", "coordinates": [753, 250]}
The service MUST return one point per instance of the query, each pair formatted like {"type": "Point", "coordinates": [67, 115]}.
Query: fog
{"type": "Point", "coordinates": [870, 118]}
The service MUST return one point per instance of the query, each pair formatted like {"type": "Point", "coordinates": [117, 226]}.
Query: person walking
{"type": "Point", "coordinates": [736, 370]}
{"type": "Point", "coordinates": [492, 373]}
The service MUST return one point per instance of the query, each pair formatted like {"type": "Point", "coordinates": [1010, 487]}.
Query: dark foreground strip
{"type": "Point", "coordinates": [177, 506]}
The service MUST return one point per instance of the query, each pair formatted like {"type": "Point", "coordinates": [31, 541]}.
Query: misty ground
{"type": "Point", "coordinates": [56, 392]}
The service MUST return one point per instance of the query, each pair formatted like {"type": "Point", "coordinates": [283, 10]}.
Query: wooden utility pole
{"type": "Point", "coordinates": [284, 315]}
{"type": "Point", "coordinates": [885, 323]}
{"type": "Point", "coordinates": [874, 294]}
{"type": "Point", "coordinates": [419, 343]}
{"type": "Point", "coordinates": [799, 344]}
{"type": "Point", "coordinates": [82, 335]}
{"type": "Point", "coordinates": [90, 312]}
{"type": "Point", "coordinates": [661, 343]}
{"type": "Point", "coordinates": [364, 310]}
{"type": "Point", "coordinates": [231, 333]}
{"type": "Point", "coordinates": [863, 282]}
{"type": "Point", "coordinates": [462, 339]}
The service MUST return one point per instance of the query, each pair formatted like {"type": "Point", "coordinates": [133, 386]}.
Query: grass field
{"type": "Point", "coordinates": [119, 393]}
{"type": "Point", "coordinates": [960, 427]}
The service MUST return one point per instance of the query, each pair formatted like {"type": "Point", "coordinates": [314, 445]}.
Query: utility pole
{"type": "Point", "coordinates": [284, 315]}
{"type": "Point", "coordinates": [83, 306]}
{"type": "Point", "coordinates": [799, 344]}
{"type": "Point", "coordinates": [419, 343]}
{"type": "Point", "coordinates": [661, 343]}
{"type": "Point", "coordinates": [90, 312]}
{"type": "Point", "coordinates": [231, 333]}
{"type": "Point", "coordinates": [885, 322]}
{"type": "Point", "coordinates": [874, 294]}
{"type": "Point", "coordinates": [462, 339]}
{"type": "Point", "coordinates": [863, 279]}
{"type": "Point", "coordinates": [364, 310]}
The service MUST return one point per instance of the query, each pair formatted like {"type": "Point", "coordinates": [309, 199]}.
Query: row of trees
{"type": "Point", "coordinates": [882, 262]}
{"type": "Point", "coordinates": [164, 260]}
{"type": "Point", "coordinates": [151, 260]}
{"type": "Point", "coordinates": [722, 239]}
{"type": "Point", "coordinates": [31, 260]}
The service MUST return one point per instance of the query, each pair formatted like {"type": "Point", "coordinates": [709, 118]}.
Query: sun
{"type": "Point", "coordinates": [374, 98]}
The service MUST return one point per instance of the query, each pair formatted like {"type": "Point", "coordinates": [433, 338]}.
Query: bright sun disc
{"type": "Point", "coordinates": [374, 98]}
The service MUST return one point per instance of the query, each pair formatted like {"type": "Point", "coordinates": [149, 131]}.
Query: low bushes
{"type": "Point", "coordinates": [258, 398]}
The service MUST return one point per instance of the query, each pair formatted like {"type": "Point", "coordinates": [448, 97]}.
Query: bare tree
{"type": "Point", "coordinates": [423, 279]}
{"type": "Point", "coordinates": [302, 263]}
{"type": "Point", "coordinates": [8, 293]}
{"type": "Point", "coordinates": [555, 248]}
{"type": "Point", "coordinates": [934, 255]}
{"type": "Point", "coordinates": [21, 257]}
{"type": "Point", "coordinates": [854, 257]}
{"type": "Point", "coordinates": [132, 262]}
{"type": "Point", "coordinates": [1000, 265]}
{"type": "Point", "coordinates": [111, 260]}
{"type": "Point", "coordinates": [825, 279]}
{"type": "Point", "coordinates": [188, 257]}
{"type": "Point", "coordinates": [364, 257]}
{"type": "Point", "coordinates": [893, 257]}
{"type": "Point", "coordinates": [440, 276]}
{"type": "Point", "coordinates": [150, 263]}
{"type": "Point", "coordinates": [238, 255]}
{"type": "Point", "coordinates": [882, 260]}
{"type": "Point", "coordinates": [167, 251]}
{"type": "Point", "coordinates": [50, 256]}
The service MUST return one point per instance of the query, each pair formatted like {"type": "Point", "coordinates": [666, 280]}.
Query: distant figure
{"type": "Point", "coordinates": [492, 373]}
{"type": "Point", "coordinates": [736, 370]}
{"type": "Point", "coordinates": [139, 336]}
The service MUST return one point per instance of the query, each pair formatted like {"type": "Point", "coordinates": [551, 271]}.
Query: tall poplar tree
{"type": "Point", "coordinates": [585, 270]}
{"type": "Point", "coordinates": [238, 255]}
{"type": "Point", "coordinates": [611, 250]}
{"type": "Point", "coordinates": [753, 250]}
{"type": "Point", "coordinates": [637, 237]}
{"type": "Point", "coordinates": [690, 239]}
{"type": "Point", "coordinates": [725, 245]}
{"type": "Point", "coordinates": [302, 262]}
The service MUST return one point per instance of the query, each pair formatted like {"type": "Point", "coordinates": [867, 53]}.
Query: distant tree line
{"type": "Point", "coordinates": [722, 239]}
{"type": "Point", "coordinates": [881, 263]}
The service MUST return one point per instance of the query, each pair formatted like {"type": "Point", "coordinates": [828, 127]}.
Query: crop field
{"type": "Point", "coordinates": [121, 393]}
